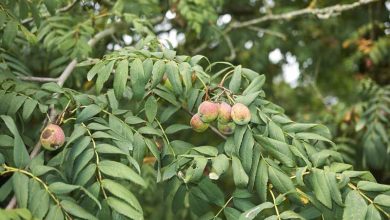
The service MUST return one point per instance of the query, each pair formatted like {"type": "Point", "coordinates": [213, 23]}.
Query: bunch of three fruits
{"type": "Point", "coordinates": [226, 115]}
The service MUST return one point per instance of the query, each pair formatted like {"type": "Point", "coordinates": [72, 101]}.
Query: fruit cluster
{"type": "Point", "coordinates": [227, 116]}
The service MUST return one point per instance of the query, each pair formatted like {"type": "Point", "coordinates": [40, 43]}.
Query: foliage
{"type": "Point", "coordinates": [362, 130]}
{"type": "Point", "coordinates": [130, 152]}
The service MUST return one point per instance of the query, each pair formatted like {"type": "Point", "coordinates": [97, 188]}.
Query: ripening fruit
{"type": "Point", "coordinates": [208, 111]}
{"type": "Point", "coordinates": [52, 137]}
{"type": "Point", "coordinates": [224, 113]}
{"type": "Point", "coordinates": [226, 128]}
{"type": "Point", "coordinates": [241, 114]}
{"type": "Point", "coordinates": [197, 124]}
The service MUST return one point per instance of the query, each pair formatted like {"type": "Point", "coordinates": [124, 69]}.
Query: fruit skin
{"type": "Point", "coordinates": [240, 114]}
{"type": "Point", "coordinates": [52, 137]}
{"type": "Point", "coordinates": [197, 124]}
{"type": "Point", "coordinates": [208, 111]}
{"type": "Point", "coordinates": [224, 113]}
{"type": "Point", "coordinates": [226, 128]}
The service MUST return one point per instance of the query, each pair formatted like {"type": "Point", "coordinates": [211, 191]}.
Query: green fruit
{"type": "Point", "coordinates": [208, 111]}
{"type": "Point", "coordinates": [226, 128]}
{"type": "Point", "coordinates": [224, 113]}
{"type": "Point", "coordinates": [240, 114]}
{"type": "Point", "coordinates": [52, 137]}
{"type": "Point", "coordinates": [197, 124]}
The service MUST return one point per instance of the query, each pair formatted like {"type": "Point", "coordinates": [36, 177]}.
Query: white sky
{"type": "Point", "coordinates": [290, 69]}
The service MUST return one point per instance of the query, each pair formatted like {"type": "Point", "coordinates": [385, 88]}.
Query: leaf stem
{"type": "Point", "coordinates": [9, 169]}
{"type": "Point", "coordinates": [99, 174]}
{"type": "Point", "coordinates": [352, 186]}
{"type": "Point", "coordinates": [224, 78]}
{"type": "Point", "coordinates": [276, 207]}
{"type": "Point", "coordinates": [223, 207]}
{"type": "Point", "coordinates": [166, 138]}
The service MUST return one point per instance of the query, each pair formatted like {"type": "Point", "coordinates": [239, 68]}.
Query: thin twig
{"type": "Point", "coordinates": [70, 67]}
{"type": "Point", "coordinates": [166, 137]}
{"type": "Point", "coordinates": [274, 200]}
{"type": "Point", "coordinates": [322, 13]}
{"type": "Point", "coordinates": [61, 80]}
{"type": "Point", "coordinates": [223, 207]}
{"type": "Point", "coordinates": [231, 47]}
{"type": "Point", "coordinates": [37, 79]}
{"type": "Point", "coordinates": [68, 7]}
{"type": "Point", "coordinates": [353, 187]}
{"type": "Point", "coordinates": [51, 194]}
{"type": "Point", "coordinates": [267, 31]}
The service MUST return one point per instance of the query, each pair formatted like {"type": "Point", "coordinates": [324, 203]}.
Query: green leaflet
{"type": "Point", "coordinates": [151, 108]}
{"type": "Point", "coordinates": [240, 177]}
{"type": "Point", "coordinates": [103, 75]}
{"type": "Point", "coordinates": [118, 170]}
{"type": "Point", "coordinates": [120, 77]}
{"type": "Point", "coordinates": [355, 206]}
{"type": "Point", "coordinates": [20, 154]}
{"type": "Point", "coordinates": [172, 71]}
{"type": "Point", "coordinates": [235, 81]}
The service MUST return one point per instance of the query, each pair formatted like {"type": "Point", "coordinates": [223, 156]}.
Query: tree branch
{"type": "Point", "coordinates": [38, 79]}
{"type": "Point", "coordinates": [68, 70]}
{"type": "Point", "coordinates": [70, 67]}
{"type": "Point", "coordinates": [60, 81]}
{"type": "Point", "coordinates": [267, 31]}
{"type": "Point", "coordinates": [68, 7]}
{"type": "Point", "coordinates": [322, 13]}
{"type": "Point", "coordinates": [231, 47]}
{"type": "Point", "coordinates": [199, 48]}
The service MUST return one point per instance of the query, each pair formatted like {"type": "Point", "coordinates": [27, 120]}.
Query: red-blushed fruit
{"type": "Point", "coordinates": [52, 137]}
{"type": "Point", "coordinates": [197, 124]}
{"type": "Point", "coordinates": [208, 111]}
{"type": "Point", "coordinates": [240, 114]}
{"type": "Point", "coordinates": [226, 128]}
{"type": "Point", "coordinates": [224, 113]}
